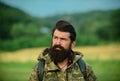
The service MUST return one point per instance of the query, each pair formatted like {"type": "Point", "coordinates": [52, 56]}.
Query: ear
{"type": "Point", "coordinates": [73, 44]}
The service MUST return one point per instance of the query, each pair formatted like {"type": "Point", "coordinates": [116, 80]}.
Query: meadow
{"type": "Point", "coordinates": [105, 61]}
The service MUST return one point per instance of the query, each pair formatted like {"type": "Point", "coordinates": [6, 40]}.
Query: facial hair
{"type": "Point", "coordinates": [58, 55]}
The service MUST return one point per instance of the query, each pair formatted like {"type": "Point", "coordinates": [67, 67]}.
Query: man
{"type": "Point", "coordinates": [60, 60]}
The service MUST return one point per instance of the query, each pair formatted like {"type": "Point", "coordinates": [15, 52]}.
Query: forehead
{"type": "Point", "coordinates": [61, 34]}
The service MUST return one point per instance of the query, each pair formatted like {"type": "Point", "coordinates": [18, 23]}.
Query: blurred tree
{"type": "Point", "coordinates": [20, 30]}
{"type": "Point", "coordinates": [115, 27]}
{"type": "Point", "coordinates": [9, 16]}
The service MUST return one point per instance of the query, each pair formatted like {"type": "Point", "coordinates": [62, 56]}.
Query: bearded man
{"type": "Point", "coordinates": [60, 61]}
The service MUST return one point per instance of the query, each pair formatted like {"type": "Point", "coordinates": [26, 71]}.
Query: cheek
{"type": "Point", "coordinates": [66, 45]}
{"type": "Point", "coordinates": [53, 42]}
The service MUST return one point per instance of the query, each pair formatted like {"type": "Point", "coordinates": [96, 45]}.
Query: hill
{"type": "Point", "coordinates": [22, 30]}
{"type": "Point", "coordinates": [9, 16]}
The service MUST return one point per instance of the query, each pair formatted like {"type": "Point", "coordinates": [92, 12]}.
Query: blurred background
{"type": "Point", "coordinates": [26, 26]}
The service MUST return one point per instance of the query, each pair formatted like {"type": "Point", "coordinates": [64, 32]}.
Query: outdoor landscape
{"type": "Point", "coordinates": [105, 60]}
{"type": "Point", "coordinates": [23, 37]}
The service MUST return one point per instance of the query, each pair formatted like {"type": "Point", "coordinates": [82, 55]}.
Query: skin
{"type": "Point", "coordinates": [62, 39]}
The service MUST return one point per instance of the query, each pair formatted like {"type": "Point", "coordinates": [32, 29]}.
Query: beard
{"type": "Point", "coordinates": [59, 55]}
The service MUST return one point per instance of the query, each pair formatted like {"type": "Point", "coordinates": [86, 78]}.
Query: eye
{"type": "Point", "coordinates": [55, 37]}
{"type": "Point", "coordinates": [64, 39]}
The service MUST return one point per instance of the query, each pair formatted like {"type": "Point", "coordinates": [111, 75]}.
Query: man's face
{"type": "Point", "coordinates": [61, 46]}
{"type": "Point", "coordinates": [61, 39]}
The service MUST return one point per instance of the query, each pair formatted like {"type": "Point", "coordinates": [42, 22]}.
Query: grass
{"type": "Point", "coordinates": [15, 71]}
{"type": "Point", "coordinates": [105, 61]}
{"type": "Point", "coordinates": [104, 70]}
{"type": "Point", "coordinates": [107, 70]}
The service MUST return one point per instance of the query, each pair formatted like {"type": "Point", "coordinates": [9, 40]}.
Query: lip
{"type": "Point", "coordinates": [58, 49]}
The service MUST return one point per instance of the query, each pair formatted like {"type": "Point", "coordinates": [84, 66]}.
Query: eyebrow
{"type": "Point", "coordinates": [60, 37]}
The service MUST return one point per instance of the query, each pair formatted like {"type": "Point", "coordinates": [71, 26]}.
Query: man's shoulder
{"type": "Point", "coordinates": [77, 55]}
{"type": "Point", "coordinates": [44, 54]}
{"type": "Point", "coordinates": [85, 67]}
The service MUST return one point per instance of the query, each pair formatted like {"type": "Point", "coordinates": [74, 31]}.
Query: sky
{"type": "Point", "coordinates": [44, 8]}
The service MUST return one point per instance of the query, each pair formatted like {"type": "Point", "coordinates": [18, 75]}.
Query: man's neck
{"type": "Point", "coordinates": [63, 65]}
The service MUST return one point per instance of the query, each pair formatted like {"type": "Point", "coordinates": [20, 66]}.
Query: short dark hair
{"type": "Point", "coordinates": [65, 26]}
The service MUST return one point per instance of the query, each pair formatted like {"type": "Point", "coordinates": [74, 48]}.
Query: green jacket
{"type": "Point", "coordinates": [53, 73]}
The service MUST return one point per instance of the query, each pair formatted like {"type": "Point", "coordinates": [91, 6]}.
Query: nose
{"type": "Point", "coordinates": [58, 42]}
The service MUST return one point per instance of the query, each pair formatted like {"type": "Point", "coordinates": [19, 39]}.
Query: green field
{"type": "Point", "coordinates": [106, 64]}
{"type": "Point", "coordinates": [105, 70]}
